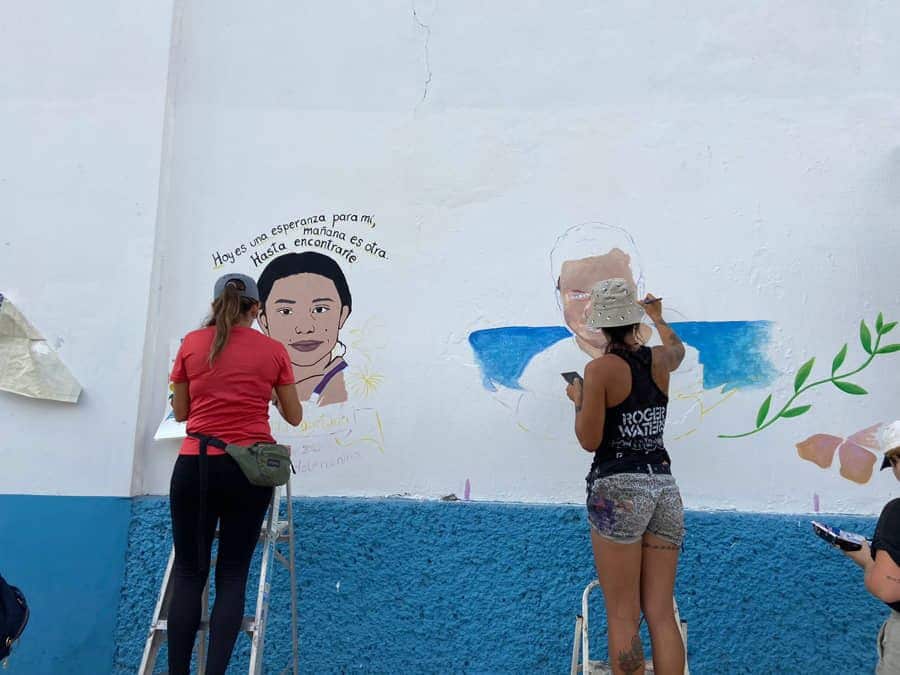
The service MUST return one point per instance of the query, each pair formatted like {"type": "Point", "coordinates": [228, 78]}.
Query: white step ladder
{"type": "Point", "coordinates": [580, 642]}
{"type": "Point", "coordinates": [274, 532]}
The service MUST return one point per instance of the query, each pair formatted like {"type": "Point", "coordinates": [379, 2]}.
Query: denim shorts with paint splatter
{"type": "Point", "coordinates": [623, 506]}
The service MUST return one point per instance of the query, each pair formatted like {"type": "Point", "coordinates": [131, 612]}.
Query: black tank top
{"type": "Point", "coordinates": [633, 430]}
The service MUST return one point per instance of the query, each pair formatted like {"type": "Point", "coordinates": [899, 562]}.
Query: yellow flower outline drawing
{"type": "Point", "coordinates": [699, 396]}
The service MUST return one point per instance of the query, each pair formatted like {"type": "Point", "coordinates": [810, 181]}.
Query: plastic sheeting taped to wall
{"type": "Point", "coordinates": [28, 365]}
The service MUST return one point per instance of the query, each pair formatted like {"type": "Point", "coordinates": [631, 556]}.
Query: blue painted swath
{"type": "Point", "coordinates": [503, 353]}
{"type": "Point", "coordinates": [733, 353]}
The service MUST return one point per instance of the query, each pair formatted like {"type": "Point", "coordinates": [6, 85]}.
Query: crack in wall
{"type": "Point", "coordinates": [427, 29]}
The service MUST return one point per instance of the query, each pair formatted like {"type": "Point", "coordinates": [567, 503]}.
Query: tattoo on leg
{"type": "Point", "coordinates": [661, 547]}
{"type": "Point", "coordinates": [632, 661]}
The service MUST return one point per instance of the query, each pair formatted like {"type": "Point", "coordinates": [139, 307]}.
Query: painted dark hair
{"type": "Point", "coordinates": [616, 335]}
{"type": "Point", "coordinates": [227, 310]}
{"type": "Point", "coordinates": [308, 262]}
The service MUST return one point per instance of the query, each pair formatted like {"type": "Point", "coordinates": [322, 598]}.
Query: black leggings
{"type": "Point", "coordinates": [239, 507]}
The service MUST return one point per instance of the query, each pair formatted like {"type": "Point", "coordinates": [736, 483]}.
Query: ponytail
{"type": "Point", "coordinates": [615, 337]}
{"type": "Point", "coordinates": [227, 310]}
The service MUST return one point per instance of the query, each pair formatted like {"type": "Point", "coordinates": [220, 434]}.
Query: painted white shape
{"type": "Point", "coordinates": [83, 89]}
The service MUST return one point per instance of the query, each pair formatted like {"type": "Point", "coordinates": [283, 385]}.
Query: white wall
{"type": "Point", "coordinates": [751, 151]}
{"type": "Point", "coordinates": [83, 90]}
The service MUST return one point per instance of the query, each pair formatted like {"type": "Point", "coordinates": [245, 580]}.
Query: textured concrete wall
{"type": "Point", "coordinates": [392, 586]}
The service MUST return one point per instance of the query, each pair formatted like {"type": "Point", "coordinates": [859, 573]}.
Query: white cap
{"type": "Point", "coordinates": [889, 439]}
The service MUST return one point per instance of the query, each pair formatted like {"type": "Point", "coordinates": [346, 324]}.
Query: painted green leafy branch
{"type": "Point", "coordinates": [838, 380]}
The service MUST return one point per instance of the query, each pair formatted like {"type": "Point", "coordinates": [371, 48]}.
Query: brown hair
{"type": "Point", "coordinates": [615, 337]}
{"type": "Point", "coordinates": [227, 310]}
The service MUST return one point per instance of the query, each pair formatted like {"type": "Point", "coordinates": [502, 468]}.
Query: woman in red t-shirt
{"type": "Point", "coordinates": [223, 379]}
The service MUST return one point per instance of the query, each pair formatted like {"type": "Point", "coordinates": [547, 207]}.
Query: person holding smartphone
{"type": "Point", "coordinates": [633, 504]}
{"type": "Point", "coordinates": [881, 560]}
{"type": "Point", "coordinates": [223, 378]}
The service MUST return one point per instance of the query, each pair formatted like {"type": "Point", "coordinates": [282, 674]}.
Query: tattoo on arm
{"type": "Point", "coordinates": [632, 660]}
{"type": "Point", "coordinates": [671, 340]}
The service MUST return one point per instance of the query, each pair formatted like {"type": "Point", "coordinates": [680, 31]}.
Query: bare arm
{"type": "Point", "coordinates": [589, 397]}
{"type": "Point", "coordinates": [882, 575]}
{"type": "Point", "coordinates": [672, 349]}
{"type": "Point", "coordinates": [288, 403]}
{"type": "Point", "coordinates": [181, 401]}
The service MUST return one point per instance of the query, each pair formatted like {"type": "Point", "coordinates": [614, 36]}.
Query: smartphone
{"type": "Point", "coordinates": [847, 541]}
{"type": "Point", "coordinates": [571, 376]}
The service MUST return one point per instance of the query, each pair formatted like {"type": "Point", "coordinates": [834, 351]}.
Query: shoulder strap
{"type": "Point", "coordinates": [203, 469]}
{"type": "Point", "coordinates": [327, 378]}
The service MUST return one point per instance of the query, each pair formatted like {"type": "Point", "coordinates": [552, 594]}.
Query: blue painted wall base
{"type": "Point", "coordinates": [389, 586]}
{"type": "Point", "coordinates": [67, 554]}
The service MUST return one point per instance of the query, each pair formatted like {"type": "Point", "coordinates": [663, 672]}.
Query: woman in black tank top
{"type": "Point", "coordinates": [634, 506]}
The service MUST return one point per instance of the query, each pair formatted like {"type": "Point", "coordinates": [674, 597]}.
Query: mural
{"type": "Point", "coordinates": [726, 355]}
{"type": "Point", "coordinates": [857, 453]}
{"type": "Point", "coordinates": [503, 353]}
{"type": "Point", "coordinates": [730, 355]}
{"type": "Point", "coordinates": [763, 418]}
{"type": "Point", "coordinates": [733, 354]}
{"type": "Point", "coordinates": [302, 271]}
{"type": "Point", "coordinates": [576, 277]}
{"type": "Point", "coordinates": [487, 229]}
{"type": "Point", "coordinates": [305, 302]}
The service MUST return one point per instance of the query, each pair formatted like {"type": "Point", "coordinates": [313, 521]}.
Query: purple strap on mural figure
{"type": "Point", "coordinates": [327, 378]}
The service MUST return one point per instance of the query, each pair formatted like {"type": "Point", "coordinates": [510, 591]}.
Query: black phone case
{"type": "Point", "coordinates": [832, 538]}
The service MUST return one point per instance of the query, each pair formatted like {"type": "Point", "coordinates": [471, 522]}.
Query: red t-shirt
{"type": "Point", "coordinates": [230, 400]}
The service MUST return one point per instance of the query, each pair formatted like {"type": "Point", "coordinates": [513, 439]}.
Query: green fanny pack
{"type": "Point", "coordinates": [265, 464]}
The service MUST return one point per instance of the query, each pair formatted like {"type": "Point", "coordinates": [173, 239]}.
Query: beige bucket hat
{"type": "Point", "coordinates": [613, 304]}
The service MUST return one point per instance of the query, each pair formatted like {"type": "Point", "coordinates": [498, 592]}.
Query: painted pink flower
{"type": "Point", "coordinates": [868, 437]}
{"type": "Point", "coordinates": [856, 462]}
{"type": "Point", "coordinates": [819, 449]}
{"type": "Point", "coordinates": [854, 454]}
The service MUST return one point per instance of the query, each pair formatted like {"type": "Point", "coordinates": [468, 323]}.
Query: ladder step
{"type": "Point", "coordinates": [248, 625]}
{"type": "Point", "coordinates": [280, 531]}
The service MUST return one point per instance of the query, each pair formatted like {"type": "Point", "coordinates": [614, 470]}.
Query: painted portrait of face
{"type": "Point", "coordinates": [304, 312]}
{"type": "Point", "coordinates": [584, 256]}
{"type": "Point", "coordinates": [576, 279]}
{"type": "Point", "coordinates": [305, 301]}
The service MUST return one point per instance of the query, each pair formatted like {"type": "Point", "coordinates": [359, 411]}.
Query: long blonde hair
{"type": "Point", "coordinates": [227, 310]}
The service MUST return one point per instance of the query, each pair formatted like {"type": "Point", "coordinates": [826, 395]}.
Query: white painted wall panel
{"type": "Point", "coordinates": [83, 91]}
{"type": "Point", "coordinates": [751, 152]}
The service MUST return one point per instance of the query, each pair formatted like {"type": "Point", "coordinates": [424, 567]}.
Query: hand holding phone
{"type": "Point", "coordinates": [571, 376]}
{"type": "Point", "coordinates": [846, 541]}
